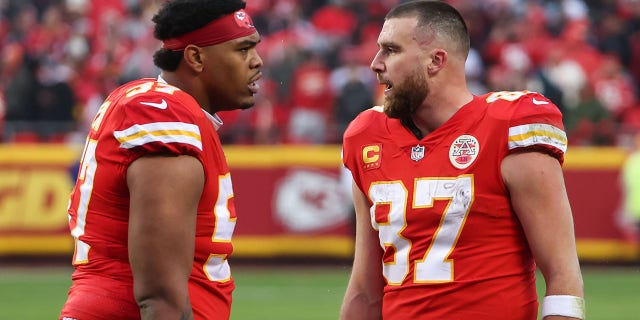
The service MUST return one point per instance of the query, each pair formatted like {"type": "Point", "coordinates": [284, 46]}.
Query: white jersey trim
{"type": "Point", "coordinates": [535, 134]}
{"type": "Point", "coordinates": [164, 132]}
{"type": "Point", "coordinates": [214, 118]}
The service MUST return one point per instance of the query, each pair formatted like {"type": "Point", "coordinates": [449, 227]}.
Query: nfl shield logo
{"type": "Point", "coordinates": [417, 153]}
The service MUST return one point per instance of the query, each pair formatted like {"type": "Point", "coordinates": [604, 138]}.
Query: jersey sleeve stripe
{"type": "Point", "coordinates": [165, 132]}
{"type": "Point", "coordinates": [537, 133]}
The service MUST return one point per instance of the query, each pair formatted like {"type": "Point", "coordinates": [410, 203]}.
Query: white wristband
{"type": "Point", "coordinates": [566, 306]}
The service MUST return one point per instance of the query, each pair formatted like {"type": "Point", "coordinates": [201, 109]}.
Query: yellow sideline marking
{"type": "Point", "coordinates": [244, 246]}
{"type": "Point", "coordinates": [584, 158]}
{"type": "Point", "coordinates": [41, 245]}
{"type": "Point", "coordinates": [39, 154]}
{"type": "Point", "coordinates": [329, 246]}
{"type": "Point", "coordinates": [323, 156]}
{"type": "Point", "coordinates": [613, 250]}
{"type": "Point", "coordinates": [300, 246]}
{"type": "Point", "coordinates": [328, 156]}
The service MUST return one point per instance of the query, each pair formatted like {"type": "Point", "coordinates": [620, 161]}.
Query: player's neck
{"type": "Point", "coordinates": [408, 122]}
{"type": "Point", "coordinates": [438, 109]}
{"type": "Point", "coordinates": [190, 87]}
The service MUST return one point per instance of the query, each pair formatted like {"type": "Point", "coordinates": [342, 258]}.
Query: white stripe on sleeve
{"type": "Point", "coordinates": [165, 132]}
{"type": "Point", "coordinates": [535, 134]}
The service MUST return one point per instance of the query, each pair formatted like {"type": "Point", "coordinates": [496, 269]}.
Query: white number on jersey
{"type": "Point", "coordinates": [435, 266]}
{"type": "Point", "coordinates": [217, 267]}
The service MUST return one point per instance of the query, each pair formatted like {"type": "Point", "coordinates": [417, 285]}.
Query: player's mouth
{"type": "Point", "coordinates": [387, 86]}
{"type": "Point", "coordinates": [253, 85]}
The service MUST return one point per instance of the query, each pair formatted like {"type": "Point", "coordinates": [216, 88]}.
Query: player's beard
{"type": "Point", "coordinates": [407, 96]}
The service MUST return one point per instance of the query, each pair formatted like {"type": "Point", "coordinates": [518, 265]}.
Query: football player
{"type": "Point", "coordinates": [458, 197]}
{"type": "Point", "coordinates": [152, 212]}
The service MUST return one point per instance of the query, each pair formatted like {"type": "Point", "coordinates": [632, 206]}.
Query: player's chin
{"type": "Point", "coordinates": [247, 103]}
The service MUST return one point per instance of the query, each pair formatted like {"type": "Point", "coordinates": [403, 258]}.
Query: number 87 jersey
{"type": "Point", "coordinates": [452, 246]}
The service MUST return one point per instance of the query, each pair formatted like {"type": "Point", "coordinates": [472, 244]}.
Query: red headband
{"type": "Point", "coordinates": [229, 27]}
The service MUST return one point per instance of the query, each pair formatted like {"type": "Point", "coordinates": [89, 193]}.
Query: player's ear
{"type": "Point", "coordinates": [438, 61]}
{"type": "Point", "coordinates": [193, 57]}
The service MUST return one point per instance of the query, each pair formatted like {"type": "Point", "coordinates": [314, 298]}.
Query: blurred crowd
{"type": "Point", "coordinates": [60, 58]}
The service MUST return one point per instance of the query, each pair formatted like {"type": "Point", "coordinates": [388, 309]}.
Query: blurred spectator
{"type": "Point", "coordinates": [589, 122]}
{"type": "Point", "coordinates": [138, 30]}
{"type": "Point", "coordinates": [475, 70]}
{"type": "Point", "coordinates": [334, 23]}
{"type": "Point", "coordinates": [613, 87]}
{"type": "Point", "coordinates": [566, 74]}
{"type": "Point", "coordinates": [311, 102]}
{"type": "Point", "coordinates": [613, 39]}
{"type": "Point", "coordinates": [630, 119]}
{"type": "Point", "coordinates": [352, 83]}
{"type": "Point", "coordinates": [21, 84]}
{"type": "Point", "coordinates": [55, 102]}
{"type": "Point", "coordinates": [261, 124]}
{"type": "Point", "coordinates": [267, 117]}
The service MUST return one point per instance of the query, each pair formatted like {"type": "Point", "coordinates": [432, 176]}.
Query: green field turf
{"type": "Point", "coordinates": [295, 293]}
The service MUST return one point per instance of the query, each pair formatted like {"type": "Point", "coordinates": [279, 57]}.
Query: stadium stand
{"type": "Point", "coordinates": [58, 59]}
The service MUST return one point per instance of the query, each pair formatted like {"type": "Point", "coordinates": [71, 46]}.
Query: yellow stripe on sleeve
{"type": "Point", "coordinates": [537, 133]}
{"type": "Point", "coordinates": [165, 132]}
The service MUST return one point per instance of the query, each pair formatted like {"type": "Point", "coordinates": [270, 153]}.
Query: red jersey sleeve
{"type": "Point", "coordinates": [357, 156]}
{"type": "Point", "coordinates": [535, 123]}
{"type": "Point", "coordinates": [159, 122]}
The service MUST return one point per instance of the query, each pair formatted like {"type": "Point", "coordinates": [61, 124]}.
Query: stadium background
{"type": "Point", "coordinates": [59, 58]}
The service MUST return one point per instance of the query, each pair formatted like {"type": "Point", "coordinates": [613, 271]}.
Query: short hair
{"type": "Point", "coordinates": [438, 16]}
{"type": "Point", "coordinates": [177, 17]}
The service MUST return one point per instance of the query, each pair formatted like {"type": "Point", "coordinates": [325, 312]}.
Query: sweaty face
{"type": "Point", "coordinates": [231, 73]}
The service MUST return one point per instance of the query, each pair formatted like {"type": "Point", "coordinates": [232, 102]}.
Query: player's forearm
{"type": "Point", "coordinates": [360, 307]}
{"type": "Point", "coordinates": [568, 284]}
{"type": "Point", "coordinates": [564, 297]}
{"type": "Point", "coordinates": [161, 309]}
{"type": "Point", "coordinates": [561, 270]}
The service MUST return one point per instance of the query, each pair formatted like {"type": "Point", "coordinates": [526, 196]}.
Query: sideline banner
{"type": "Point", "coordinates": [35, 183]}
{"type": "Point", "coordinates": [292, 201]}
{"type": "Point", "coordinates": [592, 177]}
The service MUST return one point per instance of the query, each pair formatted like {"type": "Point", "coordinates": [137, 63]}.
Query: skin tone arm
{"type": "Point", "coordinates": [363, 297]}
{"type": "Point", "coordinates": [538, 195]}
{"type": "Point", "coordinates": [165, 191]}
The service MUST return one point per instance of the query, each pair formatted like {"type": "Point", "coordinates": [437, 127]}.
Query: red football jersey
{"type": "Point", "coordinates": [452, 245]}
{"type": "Point", "coordinates": [140, 118]}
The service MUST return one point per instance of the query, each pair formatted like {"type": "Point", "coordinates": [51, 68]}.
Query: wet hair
{"type": "Point", "coordinates": [436, 16]}
{"type": "Point", "coordinates": [178, 17]}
